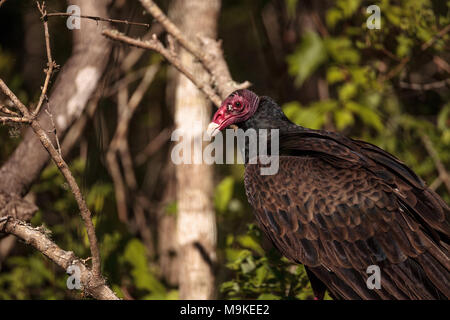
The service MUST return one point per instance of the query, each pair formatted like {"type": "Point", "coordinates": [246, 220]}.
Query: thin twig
{"type": "Point", "coordinates": [443, 174]}
{"type": "Point", "coordinates": [112, 161]}
{"type": "Point", "coordinates": [425, 86]}
{"type": "Point", "coordinates": [396, 70]}
{"type": "Point", "coordinates": [171, 28]}
{"type": "Point", "coordinates": [49, 113]}
{"type": "Point", "coordinates": [436, 183]}
{"type": "Point", "coordinates": [51, 65]}
{"type": "Point", "coordinates": [17, 103]}
{"type": "Point", "coordinates": [64, 14]}
{"type": "Point", "coordinates": [441, 63]}
{"type": "Point", "coordinates": [153, 146]}
{"type": "Point", "coordinates": [5, 110]}
{"type": "Point", "coordinates": [14, 120]}
{"type": "Point", "coordinates": [440, 34]}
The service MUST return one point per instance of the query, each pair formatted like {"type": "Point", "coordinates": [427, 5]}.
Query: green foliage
{"type": "Point", "coordinates": [136, 256]}
{"type": "Point", "coordinates": [28, 275]}
{"type": "Point", "coordinates": [262, 275]}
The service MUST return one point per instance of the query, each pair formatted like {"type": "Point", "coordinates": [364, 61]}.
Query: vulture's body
{"type": "Point", "coordinates": [339, 205]}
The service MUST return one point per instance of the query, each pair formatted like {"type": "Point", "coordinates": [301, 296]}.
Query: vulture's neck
{"type": "Point", "coordinates": [269, 115]}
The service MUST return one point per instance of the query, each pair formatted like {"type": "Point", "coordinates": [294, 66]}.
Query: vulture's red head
{"type": "Point", "coordinates": [237, 107]}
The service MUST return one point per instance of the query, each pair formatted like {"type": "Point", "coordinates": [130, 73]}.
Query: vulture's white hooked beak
{"type": "Point", "coordinates": [213, 129]}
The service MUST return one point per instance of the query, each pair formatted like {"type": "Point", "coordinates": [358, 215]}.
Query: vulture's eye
{"type": "Point", "coordinates": [238, 104]}
{"type": "Point", "coordinates": [230, 107]}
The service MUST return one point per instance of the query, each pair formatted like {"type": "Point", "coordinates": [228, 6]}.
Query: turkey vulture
{"type": "Point", "coordinates": [338, 205]}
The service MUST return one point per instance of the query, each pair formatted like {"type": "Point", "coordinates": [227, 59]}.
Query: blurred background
{"type": "Point", "coordinates": [317, 59]}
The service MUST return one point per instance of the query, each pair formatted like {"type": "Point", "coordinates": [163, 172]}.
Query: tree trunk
{"type": "Point", "coordinates": [196, 223]}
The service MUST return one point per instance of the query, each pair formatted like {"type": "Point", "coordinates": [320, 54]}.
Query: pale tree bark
{"type": "Point", "coordinates": [196, 224]}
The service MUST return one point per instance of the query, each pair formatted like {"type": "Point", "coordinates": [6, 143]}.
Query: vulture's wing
{"type": "Point", "coordinates": [339, 205]}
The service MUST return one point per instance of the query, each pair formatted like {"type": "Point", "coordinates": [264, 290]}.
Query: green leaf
{"type": "Point", "coordinates": [333, 16]}
{"type": "Point", "coordinates": [347, 91]}
{"type": "Point", "coordinates": [250, 243]}
{"type": "Point", "coordinates": [335, 74]}
{"type": "Point", "coordinates": [248, 265]}
{"type": "Point", "coordinates": [341, 50]}
{"type": "Point", "coordinates": [367, 115]}
{"type": "Point", "coordinates": [223, 194]}
{"type": "Point", "coordinates": [261, 275]}
{"type": "Point", "coordinates": [229, 286]}
{"type": "Point", "coordinates": [343, 118]}
{"type": "Point", "coordinates": [445, 138]}
{"type": "Point", "coordinates": [443, 119]}
{"type": "Point", "coordinates": [404, 45]}
{"type": "Point", "coordinates": [361, 75]}
{"type": "Point", "coordinates": [348, 7]}
{"type": "Point", "coordinates": [307, 58]}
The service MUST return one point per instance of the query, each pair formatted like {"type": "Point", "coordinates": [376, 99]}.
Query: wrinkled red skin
{"type": "Point", "coordinates": [237, 107]}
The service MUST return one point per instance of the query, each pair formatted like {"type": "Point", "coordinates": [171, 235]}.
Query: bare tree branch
{"type": "Point", "coordinates": [173, 30]}
{"type": "Point", "coordinates": [156, 45]}
{"type": "Point", "coordinates": [40, 241]}
{"type": "Point", "coordinates": [5, 110]}
{"type": "Point", "coordinates": [17, 103]}
{"type": "Point", "coordinates": [14, 120]}
{"type": "Point", "coordinates": [425, 86]}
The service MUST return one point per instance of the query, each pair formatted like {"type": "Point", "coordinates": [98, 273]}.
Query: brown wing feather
{"type": "Point", "coordinates": [342, 152]}
{"type": "Point", "coordinates": [335, 213]}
